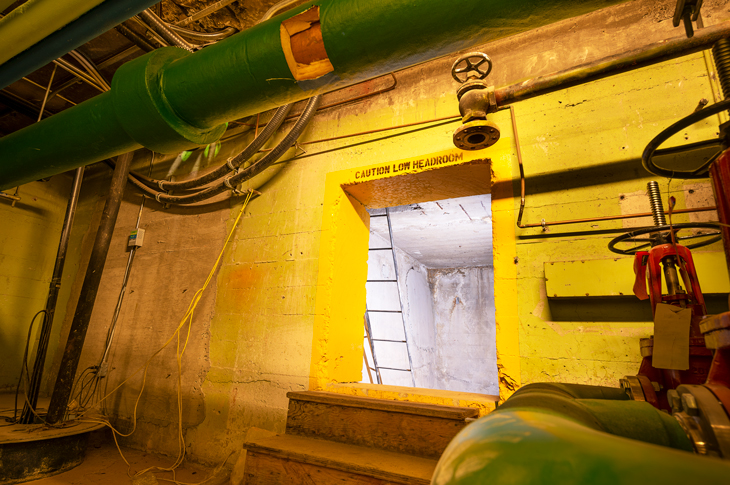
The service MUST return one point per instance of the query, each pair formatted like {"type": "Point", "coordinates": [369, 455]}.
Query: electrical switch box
{"type": "Point", "coordinates": [136, 239]}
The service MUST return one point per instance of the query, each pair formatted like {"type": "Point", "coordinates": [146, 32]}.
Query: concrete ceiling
{"type": "Point", "coordinates": [452, 233]}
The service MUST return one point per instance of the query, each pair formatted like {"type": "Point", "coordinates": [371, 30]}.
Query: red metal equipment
{"type": "Point", "coordinates": [674, 261]}
{"type": "Point", "coordinates": [699, 397]}
{"type": "Point", "coordinates": [656, 382]}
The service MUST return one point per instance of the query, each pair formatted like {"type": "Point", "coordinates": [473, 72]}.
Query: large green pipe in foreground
{"type": "Point", "coordinates": [170, 100]}
{"type": "Point", "coordinates": [575, 435]}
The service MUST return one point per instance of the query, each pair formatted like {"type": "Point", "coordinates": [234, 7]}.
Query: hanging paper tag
{"type": "Point", "coordinates": [671, 337]}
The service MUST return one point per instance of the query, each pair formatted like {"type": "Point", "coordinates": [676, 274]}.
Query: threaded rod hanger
{"type": "Point", "coordinates": [655, 198]}
{"type": "Point", "coordinates": [721, 54]}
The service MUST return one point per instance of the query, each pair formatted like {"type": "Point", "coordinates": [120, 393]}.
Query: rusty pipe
{"type": "Point", "coordinates": [612, 65]}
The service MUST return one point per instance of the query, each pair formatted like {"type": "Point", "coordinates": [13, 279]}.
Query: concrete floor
{"type": "Point", "coordinates": [103, 465]}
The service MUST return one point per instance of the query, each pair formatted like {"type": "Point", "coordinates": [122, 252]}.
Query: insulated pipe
{"type": "Point", "coordinates": [568, 434]}
{"type": "Point", "coordinates": [35, 20]}
{"type": "Point", "coordinates": [529, 446]}
{"type": "Point", "coordinates": [90, 25]}
{"type": "Point", "coordinates": [170, 100]}
{"type": "Point", "coordinates": [28, 414]}
{"type": "Point", "coordinates": [89, 288]}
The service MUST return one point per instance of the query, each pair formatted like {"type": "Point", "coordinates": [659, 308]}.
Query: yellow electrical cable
{"type": "Point", "coordinates": [187, 319]}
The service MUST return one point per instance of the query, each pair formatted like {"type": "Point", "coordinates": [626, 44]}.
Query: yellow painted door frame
{"type": "Point", "coordinates": [340, 301]}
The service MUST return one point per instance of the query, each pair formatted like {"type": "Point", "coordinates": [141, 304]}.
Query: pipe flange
{"type": "Point", "coordinates": [716, 330]}
{"type": "Point", "coordinates": [143, 111]}
{"type": "Point", "coordinates": [694, 432]}
{"type": "Point", "coordinates": [469, 86]}
{"type": "Point", "coordinates": [476, 135]}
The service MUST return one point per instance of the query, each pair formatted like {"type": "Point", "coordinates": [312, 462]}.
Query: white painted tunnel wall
{"type": "Point", "coordinates": [463, 301]}
{"type": "Point", "coordinates": [418, 315]}
{"type": "Point", "coordinates": [448, 313]}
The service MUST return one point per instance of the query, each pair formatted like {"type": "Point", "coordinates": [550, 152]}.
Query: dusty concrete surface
{"type": "Point", "coordinates": [104, 466]}
{"type": "Point", "coordinates": [447, 233]}
{"type": "Point", "coordinates": [419, 320]}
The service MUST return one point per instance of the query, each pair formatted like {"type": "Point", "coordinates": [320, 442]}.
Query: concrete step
{"type": "Point", "coordinates": [403, 427]}
{"type": "Point", "coordinates": [298, 460]}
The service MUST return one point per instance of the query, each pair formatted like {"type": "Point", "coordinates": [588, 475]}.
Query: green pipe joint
{"type": "Point", "coordinates": [568, 434]}
{"type": "Point", "coordinates": [145, 113]}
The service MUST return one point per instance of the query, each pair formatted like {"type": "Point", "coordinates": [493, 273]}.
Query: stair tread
{"type": "Point", "coordinates": [372, 462]}
{"type": "Point", "coordinates": [432, 410]}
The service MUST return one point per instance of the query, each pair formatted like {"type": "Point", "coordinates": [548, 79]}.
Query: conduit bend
{"type": "Point", "coordinates": [228, 167]}
{"type": "Point", "coordinates": [543, 434]}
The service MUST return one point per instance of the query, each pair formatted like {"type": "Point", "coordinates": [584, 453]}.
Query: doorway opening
{"type": "Point", "coordinates": [430, 315]}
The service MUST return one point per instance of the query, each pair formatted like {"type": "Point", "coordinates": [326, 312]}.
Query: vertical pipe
{"type": "Point", "coordinates": [89, 289]}
{"type": "Point", "coordinates": [720, 169]}
{"type": "Point", "coordinates": [655, 198]}
{"type": "Point", "coordinates": [27, 415]}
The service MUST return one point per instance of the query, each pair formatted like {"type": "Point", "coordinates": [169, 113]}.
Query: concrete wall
{"type": "Point", "coordinates": [252, 336]}
{"type": "Point", "coordinates": [463, 303]}
{"type": "Point", "coordinates": [29, 237]}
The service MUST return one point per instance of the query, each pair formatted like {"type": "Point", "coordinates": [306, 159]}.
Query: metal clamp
{"type": "Point", "coordinates": [704, 419]}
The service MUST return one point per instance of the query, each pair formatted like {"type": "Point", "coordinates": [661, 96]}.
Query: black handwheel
{"type": "Point", "coordinates": [632, 236]}
{"type": "Point", "coordinates": [472, 63]}
{"type": "Point", "coordinates": [651, 150]}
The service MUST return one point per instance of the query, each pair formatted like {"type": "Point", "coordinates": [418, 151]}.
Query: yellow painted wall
{"type": "Point", "coordinates": [607, 122]}
{"type": "Point", "coordinates": [29, 237]}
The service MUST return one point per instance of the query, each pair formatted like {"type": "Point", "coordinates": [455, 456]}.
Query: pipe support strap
{"type": "Point", "coordinates": [145, 113]}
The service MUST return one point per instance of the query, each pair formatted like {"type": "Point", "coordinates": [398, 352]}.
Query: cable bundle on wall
{"type": "Point", "coordinates": [230, 172]}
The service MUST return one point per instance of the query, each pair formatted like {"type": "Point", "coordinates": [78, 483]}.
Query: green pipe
{"type": "Point", "coordinates": [35, 20]}
{"type": "Point", "coordinates": [170, 100]}
{"type": "Point", "coordinates": [535, 448]}
{"type": "Point", "coordinates": [544, 436]}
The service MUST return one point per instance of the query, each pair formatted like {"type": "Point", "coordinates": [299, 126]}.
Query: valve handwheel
{"type": "Point", "coordinates": [647, 158]}
{"type": "Point", "coordinates": [631, 237]}
{"type": "Point", "coordinates": [471, 62]}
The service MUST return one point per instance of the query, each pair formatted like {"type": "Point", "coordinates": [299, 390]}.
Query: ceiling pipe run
{"type": "Point", "coordinates": [34, 20]}
{"type": "Point", "coordinates": [170, 100]}
{"type": "Point", "coordinates": [92, 24]}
